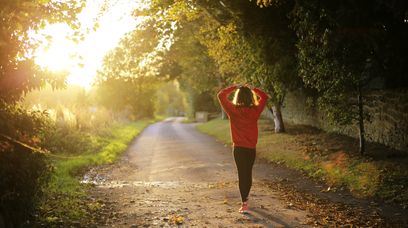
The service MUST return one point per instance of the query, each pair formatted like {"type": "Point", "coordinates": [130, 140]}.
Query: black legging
{"type": "Point", "coordinates": [244, 160]}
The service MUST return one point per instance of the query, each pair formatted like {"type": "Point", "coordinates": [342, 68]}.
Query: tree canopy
{"type": "Point", "coordinates": [18, 73]}
{"type": "Point", "coordinates": [339, 49]}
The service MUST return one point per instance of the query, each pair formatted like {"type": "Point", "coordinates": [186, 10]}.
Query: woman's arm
{"type": "Point", "coordinates": [263, 98]}
{"type": "Point", "coordinates": [223, 98]}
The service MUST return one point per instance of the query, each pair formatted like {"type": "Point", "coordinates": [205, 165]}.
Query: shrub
{"type": "Point", "coordinates": [22, 174]}
{"type": "Point", "coordinates": [22, 170]}
{"type": "Point", "coordinates": [66, 140]}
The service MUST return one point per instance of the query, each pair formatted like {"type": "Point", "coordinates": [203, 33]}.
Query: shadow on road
{"type": "Point", "coordinates": [261, 215]}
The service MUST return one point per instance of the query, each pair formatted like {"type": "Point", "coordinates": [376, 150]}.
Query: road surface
{"type": "Point", "coordinates": [173, 175]}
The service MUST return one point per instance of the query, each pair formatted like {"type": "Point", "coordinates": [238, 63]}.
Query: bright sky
{"type": "Point", "coordinates": [83, 59]}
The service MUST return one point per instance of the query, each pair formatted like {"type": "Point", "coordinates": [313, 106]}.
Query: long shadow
{"type": "Point", "coordinates": [262, 216]}
{"type": "Point", "coordinates": [340, 150]}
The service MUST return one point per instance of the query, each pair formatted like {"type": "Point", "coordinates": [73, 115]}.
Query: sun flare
{"type": "Point", "coordinates": [58, 51]}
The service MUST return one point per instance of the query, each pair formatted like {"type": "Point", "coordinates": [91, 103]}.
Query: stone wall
{"type": "Point", "coordinates": [388, 111]}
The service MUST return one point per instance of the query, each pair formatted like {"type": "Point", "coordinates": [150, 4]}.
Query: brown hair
{"type": "Point", "coordinates": [244, 97]}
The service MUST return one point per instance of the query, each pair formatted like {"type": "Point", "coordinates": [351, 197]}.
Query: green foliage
{"type": "Point", "coordinates": [64, 139]}
{"type": "Point", "coordinates": [364, 177]}
{"type": "Point", "coordinates": [136, 55]}
{"type": "Point", "coordinates": [204, 102]}
{"type": "Point", "coordinates": [342, 48]}
{"type": "Point", "coordinates": [255, 46]}
{"type": "Point", "coordinates": [236, 43]}
{"type": "Point", "coordinates": [171, 101]}
{"type": "Point", "coordinates": [18, 73]}
{"type": "Point", "coordinates": [22, 174]}
{"type": "Point", "coordinates": [227, 47]}
{"type": "Point", "coordinates": [48, 98]}
{"type": "Point", "coordinates": [68, 109]}
{"type": "Point", "coordinates": [134, 96]}
{"type": "Point", "coordinates": [64, 192]}
{"type": "Point", "coordinates": [19, 123]}
{"type": "Point", "coordinates": [21, 169]}
{"type": "Point", "coordinates": [268, 3]}
{"type": "Point", "coordinates": [198, 71]}
{"type": "Point", "coordinates": [129, 77]}
{"type": "Point", "coordinates": [24, 170]}
{"type": "Point", "coordinates": [199, 76]}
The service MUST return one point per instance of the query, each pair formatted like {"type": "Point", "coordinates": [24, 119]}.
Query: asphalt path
{"type": "Point", "coordinates": [173, 175]}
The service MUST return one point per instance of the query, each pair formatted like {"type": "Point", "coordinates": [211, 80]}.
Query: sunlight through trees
{"type": "Point", "coordinates": [70, 70]}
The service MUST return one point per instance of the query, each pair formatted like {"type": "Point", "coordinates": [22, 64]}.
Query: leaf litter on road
{"type": "Point", "coordinates": [327, 213]}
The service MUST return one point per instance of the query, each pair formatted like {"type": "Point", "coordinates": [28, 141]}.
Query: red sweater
{"type": "Point", "coordinates": [243, 120]}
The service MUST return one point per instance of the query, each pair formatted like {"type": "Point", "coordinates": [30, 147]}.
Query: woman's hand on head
{"type": "Point", "coordinates": [251, 87]}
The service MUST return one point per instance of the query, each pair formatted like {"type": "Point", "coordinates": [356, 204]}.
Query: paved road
{"type": "Point", "coordinates": [173, 174]}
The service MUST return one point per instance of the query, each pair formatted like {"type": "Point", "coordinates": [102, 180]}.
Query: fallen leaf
{"type": "Point", "coordinates": [177, 219]}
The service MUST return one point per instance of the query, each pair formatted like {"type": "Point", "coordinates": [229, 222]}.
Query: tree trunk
{"type": "Point", "coordinates": [361, 121]}
{"type": "Point", "coordinates": [277, 117]}
{"type": "Point", "coordinates": [223, 114]}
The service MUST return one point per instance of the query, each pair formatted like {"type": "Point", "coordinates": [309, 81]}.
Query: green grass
{"type": "Point", "coordinates": [218, 128]}
{"type": "Point", "coordinates": [188, 120]}
{"type": "Point", "coordinates": [64, 194]}
{"type": "Point", "coordinates": [329, 158]}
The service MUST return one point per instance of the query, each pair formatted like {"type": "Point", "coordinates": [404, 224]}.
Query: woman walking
{"type": "Point", "coordinates": [243, 113]}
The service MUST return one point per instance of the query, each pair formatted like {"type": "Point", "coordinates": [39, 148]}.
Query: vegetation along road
{"type": "Point", "coordinates": [174, 175]}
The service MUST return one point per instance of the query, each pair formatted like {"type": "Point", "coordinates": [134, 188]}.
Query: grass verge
{"type": "Point", "coordinates": [382, 173]}
{"type": "Point", "coordinates": [64, 195]}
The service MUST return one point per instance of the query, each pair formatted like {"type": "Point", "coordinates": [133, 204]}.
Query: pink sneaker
{"type": "Point", "coordinates": [244, 208]}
